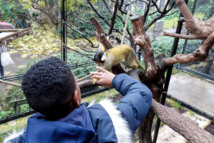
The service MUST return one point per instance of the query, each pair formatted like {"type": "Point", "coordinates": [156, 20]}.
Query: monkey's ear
{"type": "Point", "coordinates": [103, 58]}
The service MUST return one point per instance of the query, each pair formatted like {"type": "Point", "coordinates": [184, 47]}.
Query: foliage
{"type": "Point", "coordinates": [40, 42]}
{"type": "Point", "coordinates": [205, 7]}
{"type": "Point", "coordinates": [6, 16]}
{"type": "Point", "coordinates": [174, 15]}
{"type": "Point", "coordinates": [85, 12]}
{"type": "Point", "coordinates": [83, 70]}
{"type": "Point", "coordinates": [163, 45]}
{"type": "Point", "coordinates": [4, 114]}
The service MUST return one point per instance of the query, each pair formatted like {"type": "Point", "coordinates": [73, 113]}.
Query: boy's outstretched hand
{"type": "Point", "coordinates": [104, 77]}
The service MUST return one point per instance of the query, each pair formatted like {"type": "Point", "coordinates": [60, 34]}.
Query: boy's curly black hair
{"type": "Point", "coordinates": [49, 86]}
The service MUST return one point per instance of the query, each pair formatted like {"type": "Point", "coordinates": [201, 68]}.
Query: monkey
{"type": "Point", "coordinates": [115, 56]}
{"type": "Point", "coordinates": [112, 39]}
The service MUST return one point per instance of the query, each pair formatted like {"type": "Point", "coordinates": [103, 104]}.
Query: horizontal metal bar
{"type": "Point", "coordinates": [15, 116]}
{"type": "Point", "coordinates": [203, 75]}
{"type": "Point", "coordinates": [194, 109]}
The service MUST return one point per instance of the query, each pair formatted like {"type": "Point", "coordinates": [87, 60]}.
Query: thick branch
{"type": "Point", "coordinates": [189, 37]}
{"type": "Point", "coordinates": [100, 34]}
{"type": "Point", "coordinates": [199, 54]}
{"type": "Point", "coordinates": [141, 39]}
{"type": "Point", "coordinates": [181, 124]}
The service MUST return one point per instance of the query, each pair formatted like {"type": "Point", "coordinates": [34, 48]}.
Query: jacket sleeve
{"type": "Point", "coordinates": [136, 101]}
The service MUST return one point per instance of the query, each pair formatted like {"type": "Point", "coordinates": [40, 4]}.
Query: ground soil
{"type": "Point", "coordinates": [210, 128]}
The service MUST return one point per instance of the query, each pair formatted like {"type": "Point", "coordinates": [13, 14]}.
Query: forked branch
{"type": "Point", "coordinates": [200, 54]}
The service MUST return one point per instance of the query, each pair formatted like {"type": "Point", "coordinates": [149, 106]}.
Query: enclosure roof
{"type": "Point", "coordinates": [8, 33]}
{"type": "Point", "coordinates": [5, 25]}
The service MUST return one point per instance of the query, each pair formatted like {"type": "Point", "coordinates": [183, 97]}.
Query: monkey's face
{"type": "Point", "coordinates": [98, 56]}
{"type": "Point", "coordinates": [112, 40]}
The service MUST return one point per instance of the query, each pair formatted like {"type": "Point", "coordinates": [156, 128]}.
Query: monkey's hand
{"type": "Point", "coordinates": [103, 78]}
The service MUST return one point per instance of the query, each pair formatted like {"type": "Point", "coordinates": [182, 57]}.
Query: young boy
{"type": "Point", "coordinates": [51, 90]}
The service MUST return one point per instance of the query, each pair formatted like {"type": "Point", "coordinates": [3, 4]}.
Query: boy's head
{"type": "Point", "coordinates": [51, 89]}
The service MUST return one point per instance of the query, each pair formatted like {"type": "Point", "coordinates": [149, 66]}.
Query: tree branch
{"type": "Point", "coordinates": [147, 12]}
{"type": "Point", "coordinates": [77, 51]}
{"type": "Point", "coordinates": [80, 34]}
{"type": "Point", "coordinates": [154, 3]}
{"type": "Point", "coordinates": [100, 35]}
{"type": "Point", "coordinates": [84, 48]}
{"type": "Point", "coordinates": [94, 9]}
{"type": "Point", "coordinates": [181, 124]}
{"type": "Point", "coordinates": [113, 17]}
{"type": "Point", "coordinates": [189, 20]}
{"type": "Point", "coordinates": [104, 1]}
{"type": "Point", "coordinates": [10, 83]}
{"type": "Point", "coordinates": [199, 54]}
{"type": "Point", "coordinates": [189, 37]}
{"type": "Point", "coordinates": [167, 3]}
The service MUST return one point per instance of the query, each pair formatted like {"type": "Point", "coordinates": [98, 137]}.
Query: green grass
{"type": "Point", "coordinates": [170, 23]}
{"type": "Point", "coordinates": [174, 103]}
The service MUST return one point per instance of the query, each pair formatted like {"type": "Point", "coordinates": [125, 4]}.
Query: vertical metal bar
{"type": "Point", "coordinates": [15, 107]}
{"type": "Point", "coordinates": [169, 72]}
{"type": "Point", "coordinates": [64, 31]}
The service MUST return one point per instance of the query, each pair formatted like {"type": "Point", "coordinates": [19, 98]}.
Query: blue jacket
{"type": "Point", "coordinates": [102, 122]}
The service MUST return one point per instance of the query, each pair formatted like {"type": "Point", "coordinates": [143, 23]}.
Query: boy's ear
{"type": "Point", "coordinates": [76, 99]}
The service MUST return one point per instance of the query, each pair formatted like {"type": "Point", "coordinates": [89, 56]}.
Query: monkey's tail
{"type": "Point", "coordinates": [138, 63]}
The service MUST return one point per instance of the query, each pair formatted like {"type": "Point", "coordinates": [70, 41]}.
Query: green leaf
{"type": "Point", "coordinates": [41, 4]}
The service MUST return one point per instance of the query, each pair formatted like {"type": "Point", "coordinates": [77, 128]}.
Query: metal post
{"type": "Point", "coordinates": [64, 31]}
{"type": "Point", "coordinates": [169, 72]}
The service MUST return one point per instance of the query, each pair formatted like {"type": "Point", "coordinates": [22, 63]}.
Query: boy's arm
{"type": "Point", "coordinates": [137, 96]}
{"type": "Point", "coordinates": [136, 101]}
